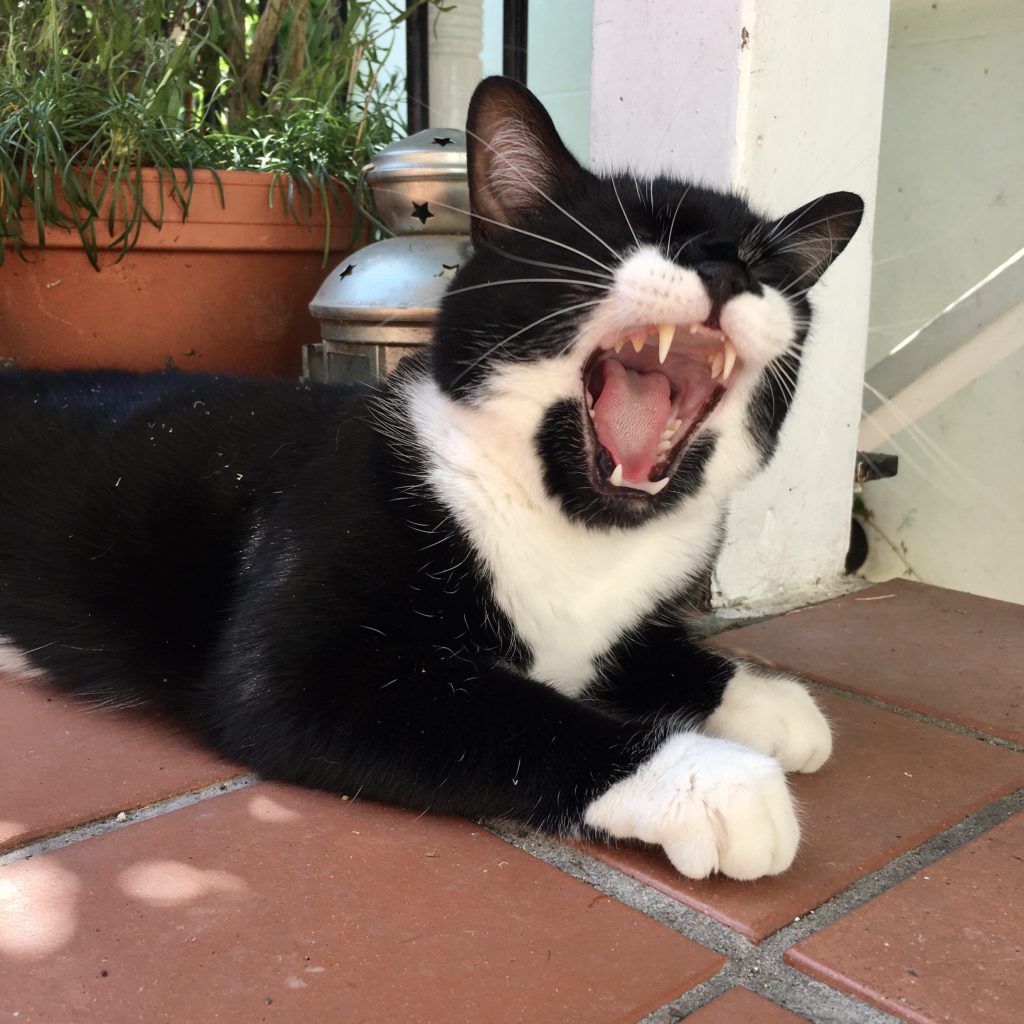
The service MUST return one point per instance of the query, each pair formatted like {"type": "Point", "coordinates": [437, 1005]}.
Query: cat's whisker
{"type": "Point", "coordinates": [675, 213]}
{"type": "Point", "coordinates": [784, 374]}
{"type": "Point", "coordinates": [526, 280]}
{"type": "Point", "coordinates": [522, 330]}
{"type": "Point", "coordinates": [518, 230]}
{"type": "Point", "coordinates": [954, 472]}
{"type": "Point", "coordinates": [905, 455]}
{"type": "Point", "coordinates": [555, 266]}
{"type": "Point", "coordinates": [689, 241]}
{"type": "Point", "coordinates": [625, 215]}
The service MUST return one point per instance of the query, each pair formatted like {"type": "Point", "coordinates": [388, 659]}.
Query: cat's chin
{"type": "Point", "coordinates": [647, 391]}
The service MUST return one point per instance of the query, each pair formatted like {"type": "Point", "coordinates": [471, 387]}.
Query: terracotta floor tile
{"type": "Point", "coordinates": [64, 763]}
{"type": "Point", "coordinates": [952, 655]}
{"type": "Point", "coordinates": [740, 1006]}
{"type": "Point", "coordinates": [280, 904]}
{"type": "Point", "coordinates": [892, 782]}
{"type": "Point", "coordinates": [946, 945]}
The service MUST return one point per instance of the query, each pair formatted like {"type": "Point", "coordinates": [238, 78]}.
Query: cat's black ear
{"type": "Point", "coordinates": [516, 158]}
{"type": "Point", "coordinates": [811, 237]}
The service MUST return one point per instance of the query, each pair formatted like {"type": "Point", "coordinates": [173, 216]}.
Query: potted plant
{"type": "Point", "coordinates": [174, 174]}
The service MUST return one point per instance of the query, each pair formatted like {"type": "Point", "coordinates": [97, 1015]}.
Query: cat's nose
{"type": "Point", "coordinates": [723, 280]}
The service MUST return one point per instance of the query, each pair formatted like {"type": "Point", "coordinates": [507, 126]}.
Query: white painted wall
{"type": "Point", "coordinates": [783, 100]}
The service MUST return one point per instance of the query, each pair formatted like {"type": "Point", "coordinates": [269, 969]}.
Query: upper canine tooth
{"type": "Point", "coordinates": [637, 340]}
{"type": "Point", "coordinates": [666, 332]}
{"type": "Point", "coordinates": [716, 365]}
{"type": "Point", "coordinates": [730, 359]}
{"type": "Point", "coordinates": [619, 344]}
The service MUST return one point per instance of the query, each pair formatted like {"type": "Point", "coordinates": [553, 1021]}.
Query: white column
{"type": "Point", "coordinates": [783, 100]}
{"type": "Point", "coordinates": [456, 39]}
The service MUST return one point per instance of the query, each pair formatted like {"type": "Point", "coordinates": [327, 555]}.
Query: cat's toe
{"type": "Point", "coordinates": [776, 715]}
{"type": "Point", "coordinates": [712, 805]}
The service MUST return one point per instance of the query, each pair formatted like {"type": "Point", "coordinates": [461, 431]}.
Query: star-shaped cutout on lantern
{"type": "Point", "coordinates": [442, 141]}
{"type": "Point", "coordinates": [345, 273]}
{"type": "Point", "coordinates": [421, 211]}
{"type": "Point", "coordinates": [448, 272]}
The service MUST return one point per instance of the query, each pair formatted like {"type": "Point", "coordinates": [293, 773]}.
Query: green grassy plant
{"type": "Point", "coordinates": [92, 91]}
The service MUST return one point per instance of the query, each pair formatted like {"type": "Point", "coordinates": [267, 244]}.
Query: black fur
{"type": "Point", "coordinates": [268, 561]}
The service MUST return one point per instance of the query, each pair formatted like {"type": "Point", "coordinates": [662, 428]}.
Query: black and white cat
{"type": "Point", "coordinates": [459, 592]}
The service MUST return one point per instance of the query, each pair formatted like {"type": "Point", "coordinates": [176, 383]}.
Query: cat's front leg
{"type": "Point", "coordinates": [661, 673]}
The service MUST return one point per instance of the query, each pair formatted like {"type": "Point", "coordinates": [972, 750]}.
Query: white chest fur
{"type": "Point", "coordinates": [569, 590]}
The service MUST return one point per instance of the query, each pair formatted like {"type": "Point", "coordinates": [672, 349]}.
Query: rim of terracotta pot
{"type": "Point", "coordinates": [254, 214]}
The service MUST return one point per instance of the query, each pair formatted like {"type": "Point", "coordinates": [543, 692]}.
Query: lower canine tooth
{"type": "Point", "coordinates": [716, 365]}
{"type": "Point", "coordinates": [730, 359]}
{"type": "Point", "coordinates": [616, 478]}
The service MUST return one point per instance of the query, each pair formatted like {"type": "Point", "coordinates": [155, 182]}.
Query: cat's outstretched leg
{"type": "Point", "coordinates": [431, 731]}
{"type": "Point", "coordinates": [662, 673]}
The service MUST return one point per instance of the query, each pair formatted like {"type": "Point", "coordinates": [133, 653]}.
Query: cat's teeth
{"type": "Point", "coordinates": [646, 486]}
{"type": "Point", "coordinates": [619, 345]}
{"type": "Point", "coordinates": [649, 487]}
{"type": "Point", "coordinates": [664, 445]}
{"type": "Point", "coordinates": [672, 426]}
{"type": "Point", "coordinates": [637, 341]}
{"type": "Point", "coordinates": [716, 365]}
{"type": "Point", "coordinates": [729, 361]}
{"type": "Point", "coordinates": [666, 332]}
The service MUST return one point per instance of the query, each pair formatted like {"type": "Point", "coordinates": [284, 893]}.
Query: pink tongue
{"type": "Point", "coordinates": [630, 415]}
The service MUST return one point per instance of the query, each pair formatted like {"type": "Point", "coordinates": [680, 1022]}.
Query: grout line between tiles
{"type": "Point", "coordinates": [897, 870]}
{"type": "Point", "coordinates": [113, 822]}
{"type": "Point", "coordinates": [757, 968]}
{"type": "Point", "coordinates": [917, 716]}
{"type": "Point", "coordinates": [761, 968]}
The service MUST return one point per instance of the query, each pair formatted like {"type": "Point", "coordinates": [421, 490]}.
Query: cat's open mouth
{"type": "Point", "coordinates": [648, 391]}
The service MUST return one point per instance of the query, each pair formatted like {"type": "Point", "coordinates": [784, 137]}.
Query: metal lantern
{"type": "Point", "coordinates": [379, 304]}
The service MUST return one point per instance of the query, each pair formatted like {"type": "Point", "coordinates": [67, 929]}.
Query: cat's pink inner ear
{"type": "Point", "coordinates": [629, 417]}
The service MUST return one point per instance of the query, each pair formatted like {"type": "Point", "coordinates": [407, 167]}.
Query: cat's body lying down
{"type": "Point", "coordinates": [457, 593]}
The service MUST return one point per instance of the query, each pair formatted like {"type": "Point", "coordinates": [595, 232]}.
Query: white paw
{"type": "Point", "coordinates": [712, 806]}
{"type": "Point", "coordinates": [773, 714]}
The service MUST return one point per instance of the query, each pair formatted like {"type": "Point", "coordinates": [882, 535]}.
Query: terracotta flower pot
{"type": "Point", "coordinates": [225, 290]}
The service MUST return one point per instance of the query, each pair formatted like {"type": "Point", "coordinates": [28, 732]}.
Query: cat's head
{"type": "Point", "coordinates": [630, 337]}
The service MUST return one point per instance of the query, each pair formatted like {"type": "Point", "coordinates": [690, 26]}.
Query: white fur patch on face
{"type": "Point", "coordinates": [16, 662]}
{"type": "Point", "coordinates": [710, 804]}
{"type": "Point", "coordinates": [776, 715]}
{"type": "Point", "coordinates": [760, 326]}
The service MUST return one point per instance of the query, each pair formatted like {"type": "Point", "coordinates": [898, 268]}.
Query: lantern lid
{"type": "Point", "coordinates": [396, 280]}
{"type": "Point", "coordinates": [436, 153]}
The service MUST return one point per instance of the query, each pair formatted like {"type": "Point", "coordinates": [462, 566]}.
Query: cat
{"type": "Point", "coordinates": [459, 591]}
